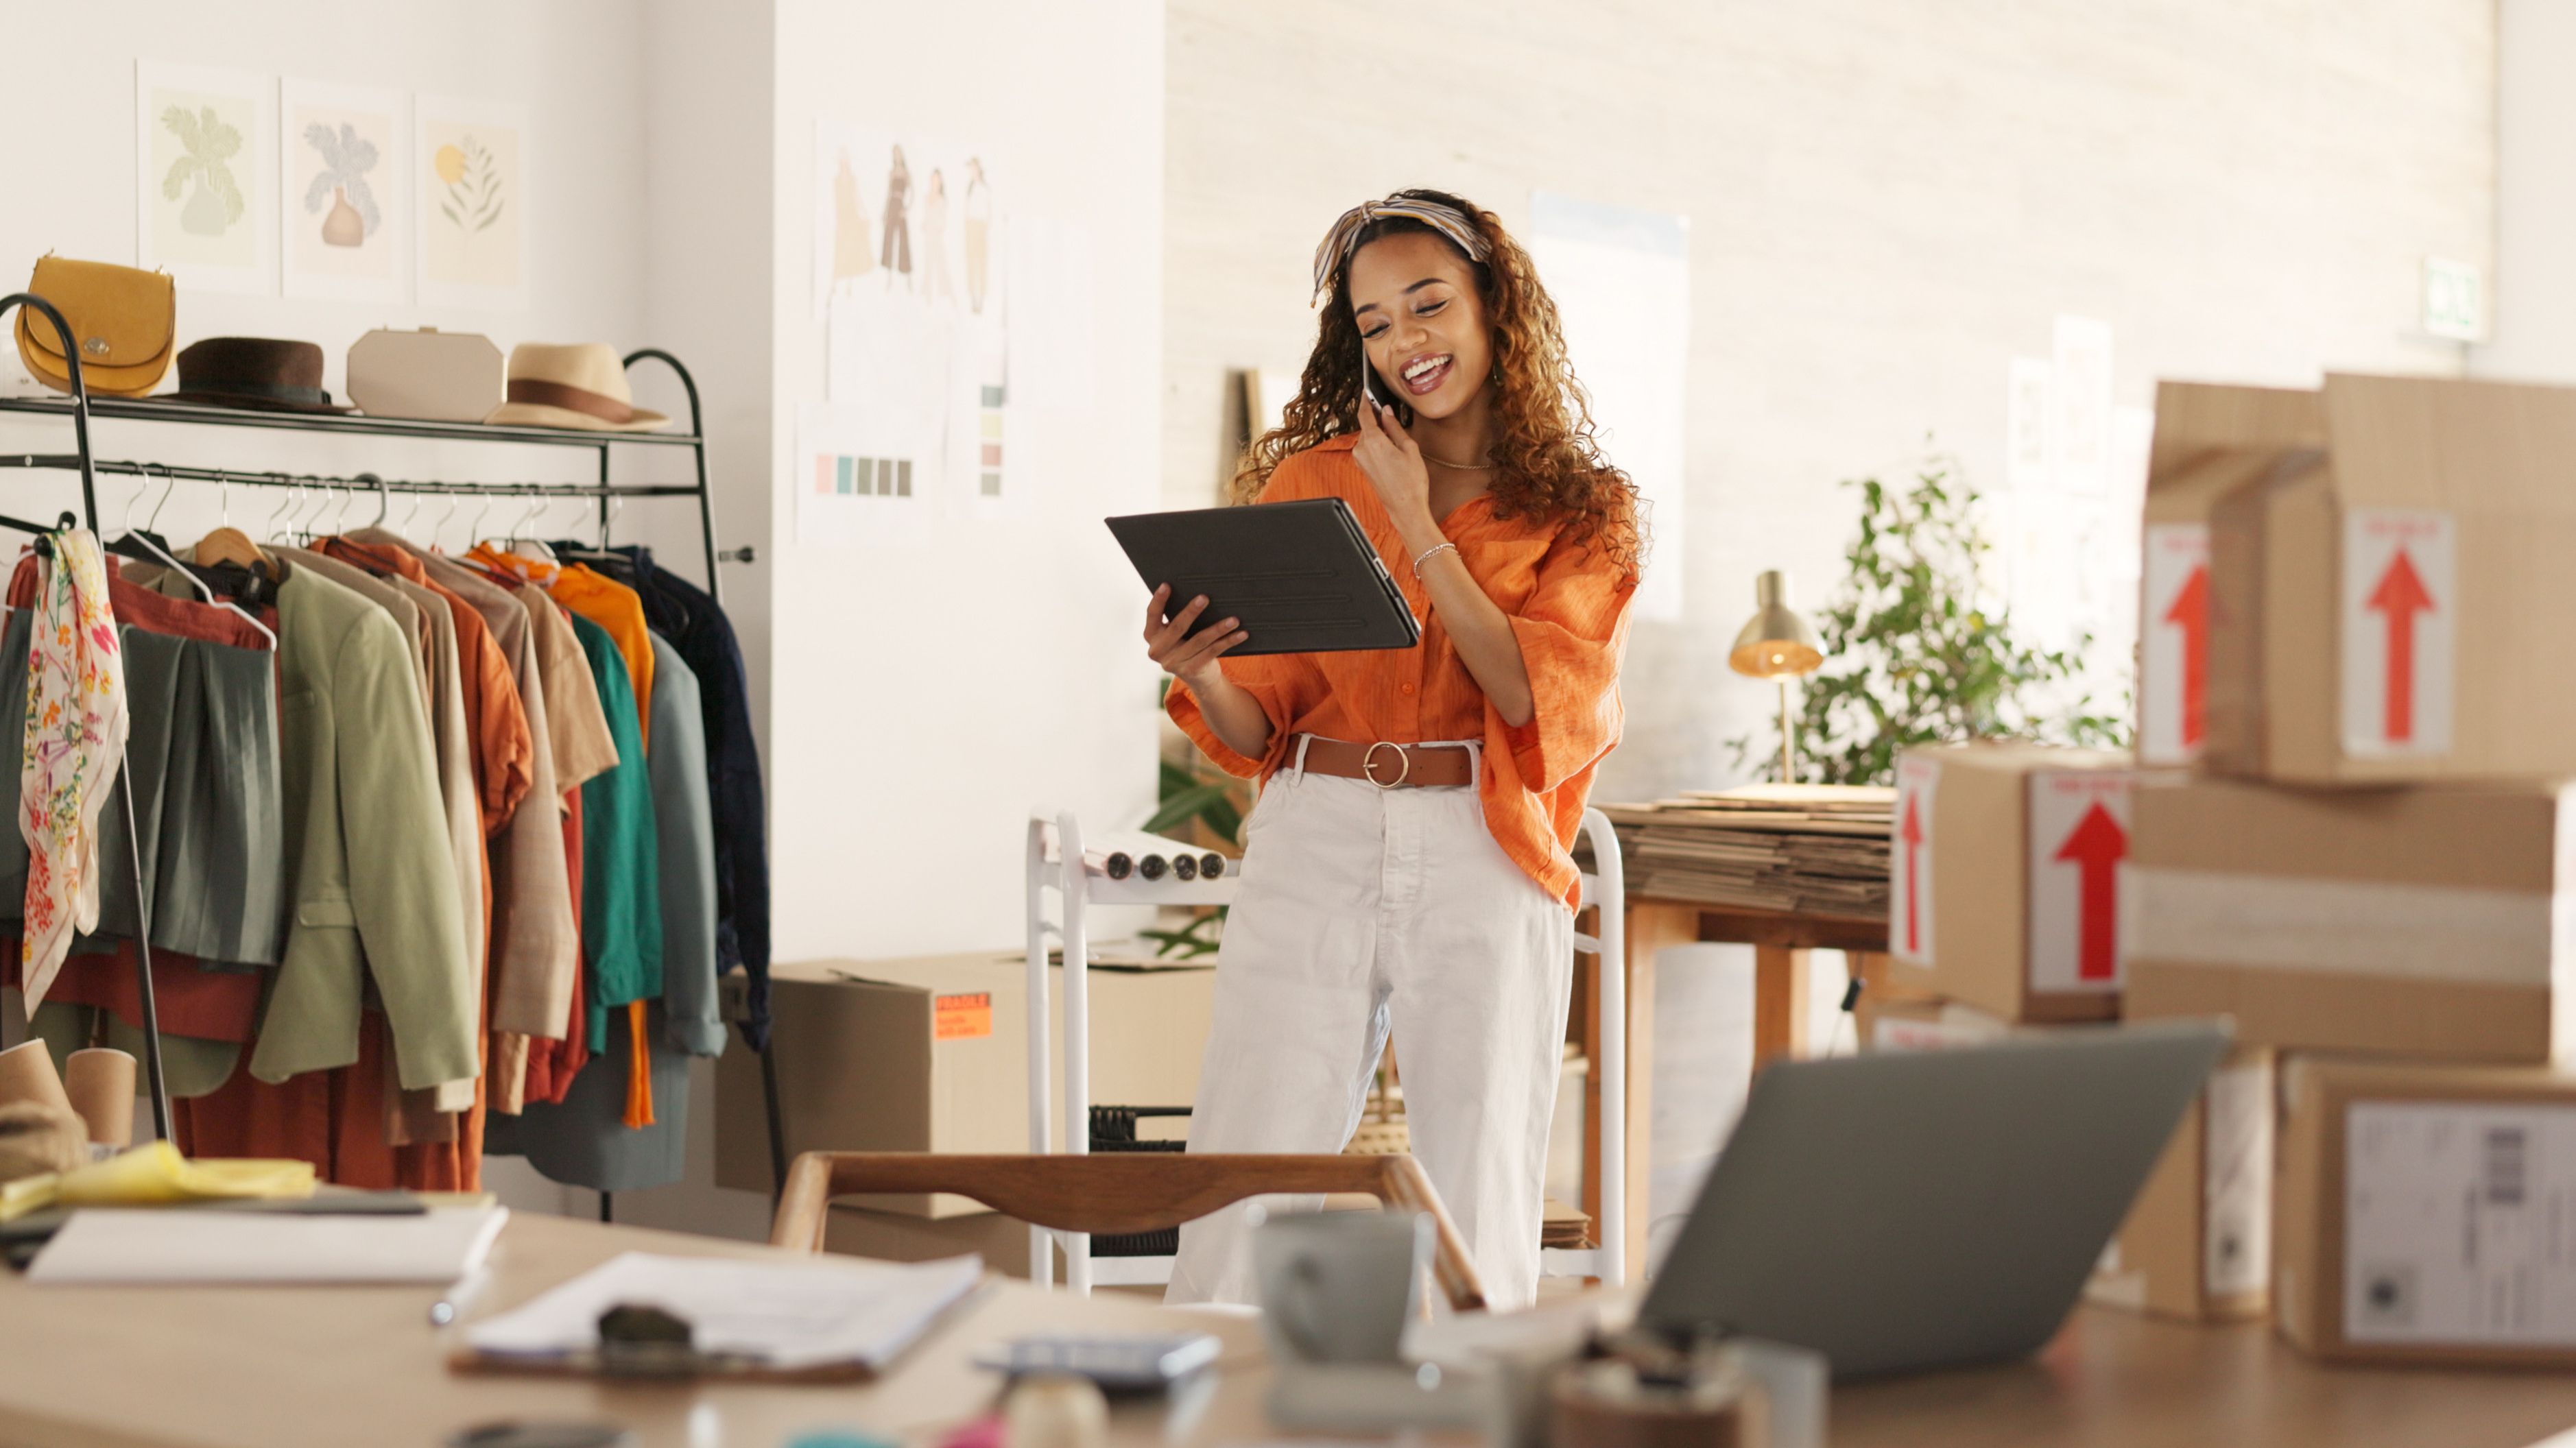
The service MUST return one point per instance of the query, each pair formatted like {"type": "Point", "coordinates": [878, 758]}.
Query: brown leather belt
{"type": "Point", "coordinates": [1391, 766]}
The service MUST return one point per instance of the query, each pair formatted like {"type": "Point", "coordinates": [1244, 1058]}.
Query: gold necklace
{"type": "Point", "coordinates": [1458, 467]}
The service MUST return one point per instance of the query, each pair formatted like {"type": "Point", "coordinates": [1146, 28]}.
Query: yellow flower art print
{"type": "Point", "coordinates": [473, 193]}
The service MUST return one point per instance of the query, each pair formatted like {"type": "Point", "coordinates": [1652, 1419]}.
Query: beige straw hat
{"type": "Point", "coordinates": [581, 384]}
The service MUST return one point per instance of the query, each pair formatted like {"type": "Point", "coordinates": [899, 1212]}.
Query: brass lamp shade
{"type": "Point", "coordinates": [1776, 643]}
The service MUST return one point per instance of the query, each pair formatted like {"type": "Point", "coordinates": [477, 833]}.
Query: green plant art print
{"type": "Point", "coordinates": [472, 175]}
{"type": "Point", "coordinates": [1912, 656]}
{"type": "Point", "coordinates": [210, 145]}
{"type": "Point", "coordinates": [347, 157]}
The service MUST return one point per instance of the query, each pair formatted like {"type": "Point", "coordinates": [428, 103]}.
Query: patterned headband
{"type": "Point", "coordinates": [1344, 238]}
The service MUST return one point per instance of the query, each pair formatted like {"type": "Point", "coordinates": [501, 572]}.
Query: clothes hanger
{"type": "Point", "coordinates": [294, 492]}
{"type": "Point", "coordinates": [522, 542]}
{"type": "Point", "coordinates": [227, 544]}
{"type": "Point", "coordinates": [205, 590]}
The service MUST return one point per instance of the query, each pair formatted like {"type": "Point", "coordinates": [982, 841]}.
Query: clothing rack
{"type": "Point", "coordinates": [77, 407]}
{"type": "Point", "coordinates": [80, 407]}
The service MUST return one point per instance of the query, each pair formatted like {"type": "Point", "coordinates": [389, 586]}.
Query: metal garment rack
{"type": "Point", "coordinates": [77, 408]}
{"type": "Point", "coordinates": [80, 407]}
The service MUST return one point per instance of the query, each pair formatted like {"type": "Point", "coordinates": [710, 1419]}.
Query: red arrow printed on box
{"type": "Point", "coordinates": [2190, 613]}
{"type": "Point", "coordinates": [2400, 595]}
{"type": "Point", "coordinates": [1910, 832]}
{"type": "Point", "coordinates": [2096, 846]}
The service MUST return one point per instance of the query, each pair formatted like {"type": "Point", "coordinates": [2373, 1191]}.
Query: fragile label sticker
{"type": "Point", "coordinates": [2079, 851]}
{"type": "Point", "coordinates": [2400, 626]}
{"type": "Point", "coordinates": [2455, 1221]}
{"type": "Point", "coordinates": [2236, 1180]}
{"type": "Point", "coordinates": [1909, 899]}
{"type": "Point", "coordinates": [961, 1017]}
{"type": "Point", "coordinates": [2173, 644]}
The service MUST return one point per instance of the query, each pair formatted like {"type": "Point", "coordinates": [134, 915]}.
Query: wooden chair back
{"type": "Point", "coordinates": [1117, 1192]}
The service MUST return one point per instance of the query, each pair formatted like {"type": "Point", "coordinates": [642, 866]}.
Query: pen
{"type": "Point", "coordinates": [453, 1303]}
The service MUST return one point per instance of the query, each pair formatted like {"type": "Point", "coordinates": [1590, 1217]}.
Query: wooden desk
{"type": "Point", "coordinates": [218, 1367]}
{"type": "Point", "coordinates": [333, 1367]}
{"type": "Point", "coordinates": [2119, 1380]}
{"type": "Point", "coordinates": [1780, 941]}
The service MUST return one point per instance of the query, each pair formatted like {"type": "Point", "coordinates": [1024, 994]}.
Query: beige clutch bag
{"type": "Point", "coordinates": [430, 375]}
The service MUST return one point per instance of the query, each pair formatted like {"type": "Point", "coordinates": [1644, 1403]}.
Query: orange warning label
{"type": "Point", "coordinates": [961, 1017]}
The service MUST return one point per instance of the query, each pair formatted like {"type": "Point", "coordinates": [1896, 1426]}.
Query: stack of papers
{"type": "Point", "coordinates": [782, 1317]}
{"type": "Point", "coordinates": [101, 1245]}
{"type": "Point", "coordinates": [1812, 849]}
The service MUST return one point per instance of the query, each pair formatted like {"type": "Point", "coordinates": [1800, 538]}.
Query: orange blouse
{"type": "Point", "coordinates": [1568, 606]}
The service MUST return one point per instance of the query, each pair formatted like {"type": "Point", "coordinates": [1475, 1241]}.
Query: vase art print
{"type": "Point", "coordinates": [343, 210]}
{"type": "Point", "coordinates": [205, 157]}
{"type": "Point", "coordinates": [473, 193]}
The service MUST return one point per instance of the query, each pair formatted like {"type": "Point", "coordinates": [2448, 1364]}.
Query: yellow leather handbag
{"type": "Point", "coordinates": [122, 322]}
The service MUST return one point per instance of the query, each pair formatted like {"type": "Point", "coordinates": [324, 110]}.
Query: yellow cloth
{"type": "Point", "coordinates": [155, 1174]}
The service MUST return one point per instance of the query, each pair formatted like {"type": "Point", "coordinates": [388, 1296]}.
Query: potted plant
{"type": "Point", "coordinates": [1914, 656]}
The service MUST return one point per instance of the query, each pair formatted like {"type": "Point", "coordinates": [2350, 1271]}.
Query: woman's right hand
{"type": "Point", "coordinates": [1186, 656]}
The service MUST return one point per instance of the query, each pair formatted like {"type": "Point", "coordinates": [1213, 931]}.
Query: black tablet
{"type": "Point", "coordinates": [1301, 576]}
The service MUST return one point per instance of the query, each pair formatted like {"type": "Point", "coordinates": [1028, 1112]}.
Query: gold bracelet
{"type": "Point", "coordinates": [1427, 555]}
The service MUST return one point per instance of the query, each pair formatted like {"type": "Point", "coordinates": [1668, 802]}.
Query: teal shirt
{"type": "Point", "coordinates": [621, 873]}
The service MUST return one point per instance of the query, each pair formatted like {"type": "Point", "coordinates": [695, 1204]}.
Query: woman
{"type": "Point", "coordinates": [1407, 862]}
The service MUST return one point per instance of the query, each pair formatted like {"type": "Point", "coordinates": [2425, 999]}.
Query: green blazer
{"type": "Point", "coordinates": [375, 895]}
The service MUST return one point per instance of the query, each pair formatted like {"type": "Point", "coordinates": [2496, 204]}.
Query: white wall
{"type": "Point", "coordinates": [1887, 201]}
{"type": "Point", "coordinates": [71, 190]}
{"type": "Point", "coordinates": [2532, 299]}
{"type": "Point", "coordinates": [924, 694]}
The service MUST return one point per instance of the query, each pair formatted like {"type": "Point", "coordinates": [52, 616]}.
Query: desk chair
{"type": "Point", "coordinates": [1117, 1193]}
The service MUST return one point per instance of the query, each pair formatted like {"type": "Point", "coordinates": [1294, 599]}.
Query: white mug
{"type": "Point", "coordinates": [1338, 1287]}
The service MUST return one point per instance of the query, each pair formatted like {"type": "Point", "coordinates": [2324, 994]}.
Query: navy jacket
{"type": "Point", "coordinates": [682, 612]}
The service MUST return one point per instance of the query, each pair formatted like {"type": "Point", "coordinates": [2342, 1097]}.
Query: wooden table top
{"type": "Point", "coordinates": [280, 1367]}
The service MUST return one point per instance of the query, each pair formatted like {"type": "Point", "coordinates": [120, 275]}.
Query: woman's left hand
{"type": "Point", "coordinates": [1388, 454]}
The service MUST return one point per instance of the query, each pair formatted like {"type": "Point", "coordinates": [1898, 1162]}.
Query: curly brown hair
{"type": "Point", "coordinates": [1548, 465]}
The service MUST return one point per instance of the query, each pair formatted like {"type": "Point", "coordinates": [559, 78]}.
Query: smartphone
{"type": "Point", "coordinates": [1117, 1364]}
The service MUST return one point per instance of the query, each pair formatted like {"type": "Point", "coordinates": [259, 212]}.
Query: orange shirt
{"type": "Point", "coordinates": [601, 599]}
{"type": "Point", "coordinates": [1568, 606]}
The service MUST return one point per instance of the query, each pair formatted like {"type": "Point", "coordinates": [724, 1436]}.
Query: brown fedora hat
{"type": "Point", "coordinates": [269, 373]}
{"type": "Point", "coordinates": [580, 384]}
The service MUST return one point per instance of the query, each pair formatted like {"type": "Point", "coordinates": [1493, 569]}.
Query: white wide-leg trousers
{"type": "Point", "coordinates": [1363, 908]}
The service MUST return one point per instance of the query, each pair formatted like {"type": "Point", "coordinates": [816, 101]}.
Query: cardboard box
{"type": "Point", "coordinates": [2396, 606]}
{"type": "Point", "coordinates": [1002, 1241]}
{"type": "Point", "coordinates": [2209, 441]}
{"type": "Point", "coordinates": [2198, 1244]}
{"type": "Point", "coordinates": [2005, 874]}
{"type": "Point", "coordinates": [1882, 1023]}
{"type": "Point", "coordinates": [2422, 1213]}
{"type": "Point", "coordinates": [932, 1055]}
{"type": "Point", "coordinates": [2418, 921]}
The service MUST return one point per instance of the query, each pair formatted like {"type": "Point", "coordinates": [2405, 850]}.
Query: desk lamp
{"type": "Point", "coordinates": [1777, 644]}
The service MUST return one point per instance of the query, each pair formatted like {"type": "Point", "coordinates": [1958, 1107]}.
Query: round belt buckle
{"type": "Point", "coordinates": [1368, 765]}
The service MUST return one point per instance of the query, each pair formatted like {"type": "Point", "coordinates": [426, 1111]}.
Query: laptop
{"type": "Point", "coordinates": [1923, 1209]}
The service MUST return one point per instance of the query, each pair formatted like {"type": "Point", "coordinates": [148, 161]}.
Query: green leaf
{"type": "Point", "coordinates": [1186, 805]}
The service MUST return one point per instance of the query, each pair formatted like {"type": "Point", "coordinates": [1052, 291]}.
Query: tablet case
{"type": "Point", "coordinates": [1301, 576]}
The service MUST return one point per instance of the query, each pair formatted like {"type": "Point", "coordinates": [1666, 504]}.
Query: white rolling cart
{"type": "Point", "coordinates": [1055, 863]}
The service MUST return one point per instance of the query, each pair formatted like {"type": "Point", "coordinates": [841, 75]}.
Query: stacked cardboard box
{"type": "Point", "coordinates": [2004, 879]}
{"type": "Point", "coordinates": [2354, 624]}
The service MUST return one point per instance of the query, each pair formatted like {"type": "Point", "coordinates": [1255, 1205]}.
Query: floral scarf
{"type": "Point", "coordinates": [76, 723]}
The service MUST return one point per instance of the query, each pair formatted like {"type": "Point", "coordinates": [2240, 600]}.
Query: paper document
{"type": "Point", "coordinates": [784, 1316]}
{"type": "Point", "coordinates": [100, 1245]}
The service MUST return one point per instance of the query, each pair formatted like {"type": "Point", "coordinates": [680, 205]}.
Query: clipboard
{"type": "Point", "coordinates": [1302, 576]}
